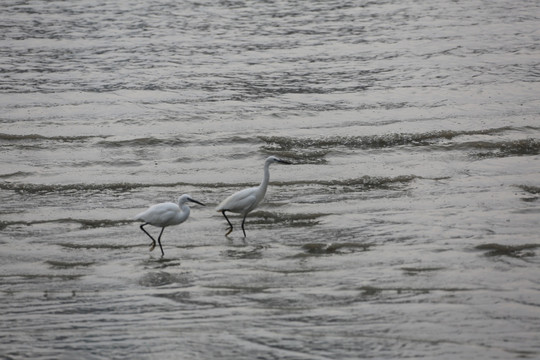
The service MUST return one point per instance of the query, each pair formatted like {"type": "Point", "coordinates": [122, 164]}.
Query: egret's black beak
{"type": "Point", "coordinates": [284, 162]}
{"type": "Point", "coordinates": [195, 201]}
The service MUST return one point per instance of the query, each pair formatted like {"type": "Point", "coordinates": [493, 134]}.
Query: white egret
{"type": "Point", "coordinates": [165, 214]}
{"type": "Point", "coordinates": [244, 201]}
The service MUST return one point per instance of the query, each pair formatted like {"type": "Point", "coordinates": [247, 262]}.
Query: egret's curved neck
{"type": "Point", "coordinates": [184, 209]}
{"type": "Point", "coordinates": [184, 212]}
{"type": "Point", "coordinates": [266, 178]}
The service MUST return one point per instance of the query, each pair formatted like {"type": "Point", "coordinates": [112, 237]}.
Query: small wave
{"type": "Point", "coordinates": [111, 163]}
{"type": "Point", "coordinates": [99, 223]}
{"type": "Point", "coordinates": [366, 182]}
{"type": "Point", "coordinates": [95, 246]}
{"type": "Point", "coordinates": [31, 277]}
{"type": "Point", "coordinates": [530, 189]}
{"type": "Point", "coordinates": [521, 147]}
{"type": "Point", "coordinates": [32, 137]}
{"type": "Point", "coordinates": [286, 143]}
{"type": "Point", "coordinates": [15, 174]}
{"type": "Point", "coordinates": [370, 291]}
{"type": "Point", "coordinates": [143, 141]}
{"type": "Point", "coordinates": [293, 220]}
{"type": "Point", "coordinates": [84, 223]}
{"type": "Point", "coordinates": [516, 251]}
{"type": "Point", "coordinates": [249, 253]}
{"type": "Point", "coordinates": [162, 278]}
{"type": "Point", "coordinates": [302, 156]}
{"type": "Point", "coordinates": [318, 249]}
{"type": "Point", "coordinates": [113, 187]}
{"type": "Point", "coordinates": [52, 188]}
{"type": "Point", "coordinates": [419, 270]}
{"type": "Point", "coordinates": [68, 265]}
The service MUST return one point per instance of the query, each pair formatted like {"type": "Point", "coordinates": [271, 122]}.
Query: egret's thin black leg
{"type": "Point", "coordinates": [153, 244]}
{"type": "Point", "coordinates": [243, 221]}
{"type": "Point", "coordinates": [159, 241]}
{"type": "Point", "coordinates": [230, 224]}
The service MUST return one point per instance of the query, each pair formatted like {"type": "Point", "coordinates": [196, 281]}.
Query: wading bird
{"type": "Point", "coordinates": [244, 201]}
{"type": "Point", "coordinates": [163, 215]}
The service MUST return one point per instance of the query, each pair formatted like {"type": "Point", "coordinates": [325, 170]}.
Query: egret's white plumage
{"type": "Point", "coordinates": [245, 201]}
{"type": "Point", "coordinates": [165, 214]}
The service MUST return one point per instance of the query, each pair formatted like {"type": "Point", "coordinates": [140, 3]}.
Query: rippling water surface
{"type": "Point", "coordinates": [407, 226]}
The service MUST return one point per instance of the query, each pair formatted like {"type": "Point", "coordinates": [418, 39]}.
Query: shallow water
{"type": "Point", "coordinates": [406, 228]}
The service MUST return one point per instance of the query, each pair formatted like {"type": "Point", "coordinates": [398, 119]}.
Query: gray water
{"type": "Point", "coordinates": [407, 226]}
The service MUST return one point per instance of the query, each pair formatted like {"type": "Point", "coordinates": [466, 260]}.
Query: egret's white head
{"type": "Point", "coordinates": [185, 198]}
{"type": "Point", "coordinates": [273, 159]}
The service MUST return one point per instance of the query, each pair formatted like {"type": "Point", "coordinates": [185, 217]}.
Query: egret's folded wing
{"type": "Point", "coordinates": [159, 214]}
{"type": "Point", "coordinates": [238, 202]}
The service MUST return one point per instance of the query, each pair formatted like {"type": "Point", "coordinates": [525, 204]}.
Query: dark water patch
{"type": "Point", "coordinates": [294, 270]}
{"type": "Point", "coordinates": [254, 253]}
{"type": "Point", "coordinates": [521, 147]}
{"type": "Point", "coordinates": [417, 271]}
{"type": "Point", "coordinates": [185, 298]}
{"type": "Point", "coordinates": [530, 189]}
{"type": "Point", "coordinates": [227, 289]}
{"type": "Point", "coordinates": [515, 251]}
{"type": "Point", "coordinates": [161, 263]}
{"type": "Point", "coordinates": [370, 290]}
{"type": "Point", "coordinates": [177, 296]}
{"type": "Point", "coordinates": [53, 264]}
{"type": "Point", "coordinates": [530, 199]}
{"type": "Point", "coordinates": [535, 190]}
{"type": "Point", "coordinates": [318, 249]}
{"type": "Point", "coordinates": [289, 144]}
{"type": "Point", "coordinates": [162, 278]}
{"type": "Point", "coordinates": [100, 223]}
{"type": "Point", "coordinates": [292, 220]}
